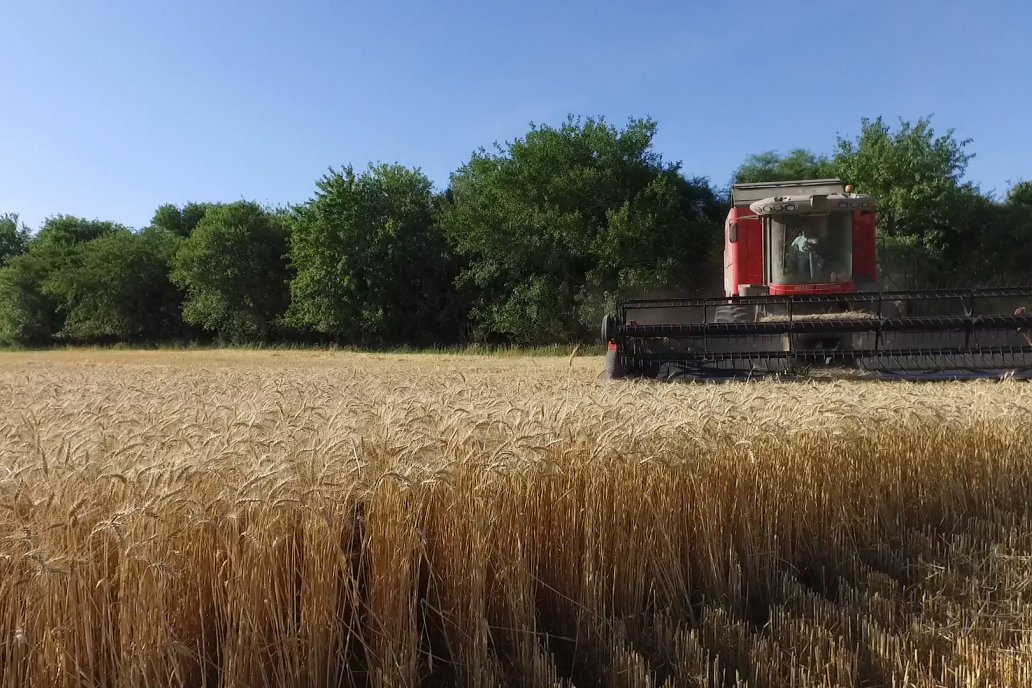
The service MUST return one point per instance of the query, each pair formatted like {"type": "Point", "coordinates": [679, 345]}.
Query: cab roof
{"type": "Point", "coordinates": [744, 194]}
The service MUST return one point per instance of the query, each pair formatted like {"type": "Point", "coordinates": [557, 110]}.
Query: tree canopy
{"type": "Point", "coordinates": [233, 268]}
{"type": "Point", "coordinates": [117, 288]}
{"type": "Point", "coordinates": [372, 265]}
{"type": "Point", "coordinates": [924, 202]}
{"type": "Point", "coordinates": [1020, 195]}
{"type": "Point", "coordinates": [66, 231]}
{"type": "Point", "coordinates": [31, 309]}
{"type": "Point", "coordinates": [553, 226]}
{"type": "Point", "coordinates": [771, 166]}
{"type": "Point", "coordinates": [14, 237]}
{"type": "Point", "coordinates": [180, 221]}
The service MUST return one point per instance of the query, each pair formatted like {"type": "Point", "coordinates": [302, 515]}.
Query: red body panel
{"type": "Point", "coordinates": [811, 289]}
{"type": "Point", "coordinates": [865, 255]}
{"type": "Point", "coordinates": [743, 259]}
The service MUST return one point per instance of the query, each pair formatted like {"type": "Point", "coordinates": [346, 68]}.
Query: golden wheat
{"type": "Point", "coordinates": [280, 519]}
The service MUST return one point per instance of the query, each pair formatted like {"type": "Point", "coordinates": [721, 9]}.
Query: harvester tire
{"type": "Point", "coordinates": [612, 370]}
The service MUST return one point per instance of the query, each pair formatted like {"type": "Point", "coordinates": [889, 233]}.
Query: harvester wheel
{"type": "Point", "coordinates": [608, 329]}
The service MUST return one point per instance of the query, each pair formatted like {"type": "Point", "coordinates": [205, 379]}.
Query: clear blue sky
{"type": "Point", "coordinates": [111, 108]}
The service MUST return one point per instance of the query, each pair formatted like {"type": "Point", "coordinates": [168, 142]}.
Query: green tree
{"type": "Point", "coordinates": [180, 221]}
{"type": "Point", "coordinates": [1016, 226]}
{"type": "Point", "coordinates": [28, 316]}
{"type": "Point", "coordinates": [30, 312]}
{"type": "Point", "coordinates": [1020, 195]}
{"type": "Point", "coordinates": [65, 231]}
{"type": "Point", "coordinates": [771, 166]}
{"type": "Point", "coordinates": [116, 287]}
{"type": "Point", "coordinates": [556, 225]}
{"type": "Point", "coordinates": [233, 268]}
{"type": "Point", "coordinates": [372, 265]}
{"type": "Point", "coordinates": [13, 237]}
{"type": "Point", "coordinates": [996, 234]}
{"type": "Point", "coordinates": [924, 204]}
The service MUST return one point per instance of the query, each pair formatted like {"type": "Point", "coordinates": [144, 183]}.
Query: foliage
{"type": "Point", "coordinates": [372, 266]}
{"type": "Point", "coordinates": [31, 312]}
{"type": "Point", "coordinates": [180, 221]}
{"type": "Point", "coordinates": [64, 231]}
{"type": "Point", "coordinates": [917, 178]}
{"type": "Point", "coordinates": [28, 316]}
{"type": "Point", "coordinates": [555, 225]}
{"type": "Point", "coordinates": [233, 268]}
{"type": "Point", "coordinates": [116, 288]}
{"type": "Point", "coordinates": [771, 166]}
{"type": "Point", "coordinates": [13, 237]}
{"type": "Point", "coordinates": [994, 244]}
{"type": "Point", "coordinates": [1020, 195]}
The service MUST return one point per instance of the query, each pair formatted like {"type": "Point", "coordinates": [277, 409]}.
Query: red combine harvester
{"type": "Point", "coordinates": [801, 293]}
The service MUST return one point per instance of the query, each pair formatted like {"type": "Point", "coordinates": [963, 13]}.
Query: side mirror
{"type": "Point", "coordinates": [732, 233]}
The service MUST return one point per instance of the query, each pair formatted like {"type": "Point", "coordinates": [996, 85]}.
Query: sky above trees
{"type": "Point", "coordinates": [113, 108]}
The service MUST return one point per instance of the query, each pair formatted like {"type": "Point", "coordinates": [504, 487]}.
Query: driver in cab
{"type": "Point", "coordinates": [806, 241]}
{"type": "Point", "coordinates": [808, 258]}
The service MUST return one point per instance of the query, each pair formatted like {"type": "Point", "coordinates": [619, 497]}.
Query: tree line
{"type": "Point", "coordinates": [532, 242]}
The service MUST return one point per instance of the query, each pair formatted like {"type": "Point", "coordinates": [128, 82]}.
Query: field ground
{"type": "Point", "coordinates": [273, 518]}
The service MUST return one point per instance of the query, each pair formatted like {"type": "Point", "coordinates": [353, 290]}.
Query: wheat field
{"type": "Point", "coordinates": [328, 519]}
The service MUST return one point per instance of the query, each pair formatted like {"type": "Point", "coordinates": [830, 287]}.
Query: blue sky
{"type": "Point", "coordinates": [111, 108]}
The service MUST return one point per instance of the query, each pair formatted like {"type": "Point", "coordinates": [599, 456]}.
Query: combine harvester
{"type": "Point", "coordinates": [801, 297]}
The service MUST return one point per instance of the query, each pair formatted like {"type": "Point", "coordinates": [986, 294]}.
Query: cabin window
{"type": "Point", "coordinates": [816, 248]}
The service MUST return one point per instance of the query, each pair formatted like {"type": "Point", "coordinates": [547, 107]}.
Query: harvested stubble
{"type": "Point", "coordinates": [296, 520]}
